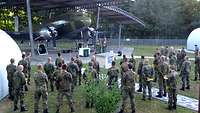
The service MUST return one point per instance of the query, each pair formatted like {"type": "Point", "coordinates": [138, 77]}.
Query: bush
{"type": "Point", "coordinates": [104, 100]}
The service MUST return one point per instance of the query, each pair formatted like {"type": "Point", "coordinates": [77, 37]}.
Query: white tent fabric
{"type": "Point", "coordinates": [8, 49]}
{"type": "Point", "coordinates": [193, 39]}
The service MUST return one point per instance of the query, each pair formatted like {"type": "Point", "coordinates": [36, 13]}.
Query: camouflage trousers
{"type": "Point", "coordinates": [196, 72]}
{"type": "Point", "coordinates": [38, 95]}
{"type": "Point", "coordinates": [140, 82]}
{"type": "Point", "coordinates": [60, 96]}
{"type": "Point", "coordinates": [29, 76]}
{"type": "Point", "coordinates": [172, 98]}
{"type": "Point", "coordinates": [51, 83]}
{"type": "Point", "coordinates": [11, 92]}
{"type": "Point", "coordinates": [128, 92]}
{"type": "Point", "coordinates": [161, 85]}
{"type": "Point", "coordinates": [144, 86]}
{"type": "Point", "coordinates": [185, 80]}
{"type": "Point", "coordinates": [79, 77]}
{"type": "Point", "coordinates": [19, 96]}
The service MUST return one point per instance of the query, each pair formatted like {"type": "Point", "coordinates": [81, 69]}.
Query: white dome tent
{"type": "Point", "coordinates": [193, 39]}
{"type": "Point", "coordinates": [8, 49]}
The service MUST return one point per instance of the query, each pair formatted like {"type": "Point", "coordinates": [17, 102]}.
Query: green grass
{"type": "Point", "coordinates": [153, 106]}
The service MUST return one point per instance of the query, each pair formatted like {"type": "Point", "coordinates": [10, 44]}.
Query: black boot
{"type": "Point", "coordinates": [139, 90]}
{"type": "Point", "coordinates": [23, 109]}
{"type": "Point", "coordinates": [15, 108]}
{"type": "Point", "coordinates": [183, 89]}
{"type": "Point", "coordinates": [188, 87]}
{"type": "Point", "coordinates": [165, 94]}
{"type": "Point", "coordinates": [57, 111]}
{"type": "Point", "coordinates": [121, 111]}
{"type": "Point", "coordinates": [159, 95]}
{"type": "Point", "coordinates": [46, 111]}
{"type": "Point", "coordinates": [36, 111]}
{"type": "Point", "coordinates": [169, 107]}
{"type": "Point", "coordinates": [72, 110]}
{"type": "Point", "coordinates": [174, 107]}
{"type": "Point", "coordinates": [195, 79]}
{"type": "Point", "coordinates": [26, 88]}
{"type": "Point", "coordinates": [133, 111]}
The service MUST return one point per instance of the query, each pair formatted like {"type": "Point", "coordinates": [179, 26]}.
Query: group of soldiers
{"type": "Point", "coordinates": [65, 77]}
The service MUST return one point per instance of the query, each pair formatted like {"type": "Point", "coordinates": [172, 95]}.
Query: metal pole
{"type": "Point", "coordinates": [97, 25]}
{"type": "Point", "coordinates": [16, 24]}
{"type": "Point", "coordinates": [120, 33]}
{"type": "Point", "coordinates": [30, 26]}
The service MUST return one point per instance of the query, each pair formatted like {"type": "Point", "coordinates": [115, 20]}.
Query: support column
{"type": "Point", "coordinates": [97, 24]}
{"type": "Point", "coordinates": [16, 24]}
{"type": "Point", "coordinates": [119, 38]}
{"type": "Point", "coordinates": [199, 99]}
{"type": "Point", "coordinates": [30, 26]}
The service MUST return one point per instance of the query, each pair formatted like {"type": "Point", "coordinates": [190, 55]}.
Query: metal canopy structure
{"type": "Point", "coordinates": [52, 4]}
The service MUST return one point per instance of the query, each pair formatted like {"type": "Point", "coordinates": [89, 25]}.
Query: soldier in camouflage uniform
{"type": "Point", "coordinates": [185, 72]}
{"type": "Point", "coordinates": [11, 69]}
{"type": "Point", "coordinates": [64, 85]}
{"type": "Point", "coordinates": [172, 59]}
{"type": "Point", "coordinates": [155, 64]}
{"type": "Point", "coordinates": [197, 67]}
{"type": "Point", "coordinates": [113, 74]}
{"type": "Point", "coordinates": [90, 74]}
{"type": "Point", "coordinates": [80, 65]}
{"type": "Point", "coordinates": [128, 88]}
{"type": "Point", "coordinates": [73, 69]}
{"type": "Point", "coordinates": [147, 77]}
{"type": "Point", "coordinates": [163, 70]}
{"type": "Point", "coordinates": [41, 84]}
{"type": "Point", "coordinates": [96, 66]}
{"type": "Point", "coordinates": [139, 72]}
{"type": "Point", "coordinates": [178, 62]}
{"type": "Point", "coordinates": [171, 87]}
{"type": "Point", "coordinates": [123, 59]}
{"type": "Point", "coordinates": [166, 51]}
{"type": "Point", "coordinates": [59, 59]}
{"type": "Point", "coordinates": [132, 61]}
{"type": "Point", "coordinates": [49, 70]}
{"type": "Point", "coordinates": [57, 72]}
{"type": "Point", "coordinates": [25, 69]}
{"type": "Point", "coordinates": [28, 59]}
{"type": "Point", "coordinates": [19, 82]}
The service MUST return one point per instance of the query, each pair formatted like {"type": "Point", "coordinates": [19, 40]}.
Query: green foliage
{"type": "Point", "coordinates": [104, 100]}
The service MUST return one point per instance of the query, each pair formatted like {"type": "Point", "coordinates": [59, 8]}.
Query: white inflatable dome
{"type": "Point", "coordinates": [193, 39]}
{"type": "Point", "coordinates": [8, 49]}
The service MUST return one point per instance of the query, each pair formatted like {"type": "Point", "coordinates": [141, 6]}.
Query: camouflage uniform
{"type": "Point", "coordinates": [139, 72]}
{"type": "Point", "coordinates": [166, 51]}
{"type": "Point", "coordinates": [147, 74]}
{"type": "Point", "coordinates": [64, 85]}
{"type": "Point", "coordinates": [112, 73]}
{"type": "Point", "coordinates": [25, 71]}
{"type": "Point", "coordinates": [163, 70]}
{"type": "Point", "coordinates": [28, 59]}
{"type": "Point", "coordinates": [80, 65]}
{"type": "Point", "coordinates": [171, 88]}
{"type": "Point", "coordinates": [128, 89]}
{"type": "Point", "coordinates": [179, 57]}
{"type": "Point", "coordinates": [41, 83]}
{"type": "Point", "coordinates": [96, 67]}
{"type": "Point", "coordinates": [90, 75]}
{"type": "Point", "coordinates": [49, 70]}
{"type": "Point", "coordinates": [73, 69]}
{"type": "Point", "coordinates": [185, 72]}
{"type": "Point", "coordinates": [58, 60]}
{"type": "Point", "coordinates": [156, 63]}
{"type": "Point", "coordinates": [11, 69]}
{"type": "Point", "coordinates": [57, 73]}
{"type": "Point", "coordinates": [132, 61]}
{"type": "Point", "coordinates": [197, 67]}
{"type": "Point", "coordinates": [172, 60]}
{"type": "Point", "coordinates": [19, 82]}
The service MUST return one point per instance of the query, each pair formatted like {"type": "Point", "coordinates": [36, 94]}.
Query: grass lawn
{"type": "Point", "coordinates": [153, 106]}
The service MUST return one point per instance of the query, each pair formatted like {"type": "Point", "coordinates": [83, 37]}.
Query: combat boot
{"type": "Point", "coordinates": [188, 87]}
{"type": "Point", "coordinates": [15, 108]}
{"type": "Point", "coordinates": [159, 95]}
{"type": "Point", "coordinates": [72, 110]}
{"type": "Point", "coordinates": [57, 111]}
{"type": "Point", "coordinates": [133, 111]}
{"type": "Point", "coordinates": [139, 90]}
{"type": "Point", "coordinates": [165, 94]}
{"type": "Point", "coordinates": [23, 109]}
{"type": "Point", "coordinates": [183, 89]}
{"type": "Point", "coordinates": [169, 107]}
{"type": "Point", "coordinates": [174, 107]}
{"type": "Point", "coordinates": [36, 111]}
{"type": "Point", "coordinates": [121, 111]}
{"type": "Point", "coordinates": [46, 111]}
{"type": "Point", "coordinates": [26, 88]}
{"type": "Point", "coordinates": [195, 79]}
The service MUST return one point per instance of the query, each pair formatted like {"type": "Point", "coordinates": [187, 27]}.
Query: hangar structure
{"type": "Point", "coordinates": [102, 8]}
